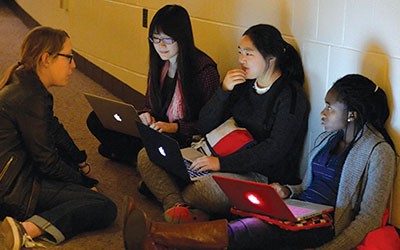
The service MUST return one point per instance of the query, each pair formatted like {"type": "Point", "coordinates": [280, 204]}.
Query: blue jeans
{"type": "Point", "coordinates": [65, 210]}
{"type": "Point", "coordinates": [253, 233]}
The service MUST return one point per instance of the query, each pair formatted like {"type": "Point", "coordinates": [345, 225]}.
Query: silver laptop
{"type": "Point", "coordinates": [115, 115]}
{"type": "Point", "coordinates": [165, 152]}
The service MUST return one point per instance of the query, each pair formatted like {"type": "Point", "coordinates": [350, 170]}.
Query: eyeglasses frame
{"type": "Point", "coordinates": [164, 40]}
{"type": "Point", "coordinates": [69, 56]}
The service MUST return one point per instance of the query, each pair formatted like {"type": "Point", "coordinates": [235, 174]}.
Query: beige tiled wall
{"type": "Point", "coordinates": [334, 37]}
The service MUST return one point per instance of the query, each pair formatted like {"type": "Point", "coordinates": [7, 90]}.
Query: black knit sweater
{"type": "Point", "coordinates": [279, 129]}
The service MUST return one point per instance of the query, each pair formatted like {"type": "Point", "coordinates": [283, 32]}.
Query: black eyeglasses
{"type": "Point", "coordinates": [167, 40]}
{"type": "Point", "coordinates": [69, 56]}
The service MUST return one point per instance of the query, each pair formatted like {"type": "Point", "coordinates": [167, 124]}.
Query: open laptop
{"type": "Point", "coordinates": [165, 152]}
{"type": "Point", "coordinates": [262, 199]}
{"type": "Point", "coordinates": [115, 115]}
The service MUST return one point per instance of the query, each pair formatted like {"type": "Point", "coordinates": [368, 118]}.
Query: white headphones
{"type": "Point", "coordinates": [351, 116]}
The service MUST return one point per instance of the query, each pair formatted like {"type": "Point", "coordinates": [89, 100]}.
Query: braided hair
{"type": "Point", "coordinates": [363, 96]}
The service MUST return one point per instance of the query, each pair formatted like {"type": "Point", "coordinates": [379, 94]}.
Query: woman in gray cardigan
{"type": "Point", "coordinates": [352, 168]}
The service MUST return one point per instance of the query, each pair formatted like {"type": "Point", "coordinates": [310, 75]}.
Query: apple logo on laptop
{"type": "Point", "coordinates": [253, 199]}
{"type": "Point", "coordinates": [162, 151]}
{"type": "Point", "coordinates": [117, 117]}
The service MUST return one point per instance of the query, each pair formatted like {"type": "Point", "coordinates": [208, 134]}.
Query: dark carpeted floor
{"type": "Point", "coordinates": [116, 180]}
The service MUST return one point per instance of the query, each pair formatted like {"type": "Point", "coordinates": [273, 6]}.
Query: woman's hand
{"type": "Point", "coordinates": [165, 127]}
{"type": "Point", "coordinates": [283, 191]}
{"type": "Point", "coordinates": [147, 119]}
{"type": "Point", "coordinates": [232, 78]}
{"type": "Point", "coordinates": [204, 163]}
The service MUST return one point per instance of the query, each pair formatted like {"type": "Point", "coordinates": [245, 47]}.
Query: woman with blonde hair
{"type": "Point", "coordinates": [44, 190]}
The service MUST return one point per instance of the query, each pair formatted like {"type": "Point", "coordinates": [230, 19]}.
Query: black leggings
{"type": "Point", "coordinates": [253, 233]}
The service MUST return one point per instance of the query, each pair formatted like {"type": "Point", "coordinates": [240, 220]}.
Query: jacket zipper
{"type": "Point", "coordinates": [8, 164]}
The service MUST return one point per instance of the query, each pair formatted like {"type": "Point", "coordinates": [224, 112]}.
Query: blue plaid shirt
{"type": "Point", "coordinates": [326, 170]}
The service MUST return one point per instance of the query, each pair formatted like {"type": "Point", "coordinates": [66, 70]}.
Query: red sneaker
{"type": "Point", "coordinates": [183, 213]}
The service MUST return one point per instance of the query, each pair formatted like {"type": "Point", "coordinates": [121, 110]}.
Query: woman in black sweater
{"type": "Point", "coordinates": [266, 97]}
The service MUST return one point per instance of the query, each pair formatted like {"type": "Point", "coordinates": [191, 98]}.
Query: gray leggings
{"type": "Point", "coordinates": [203, 194]}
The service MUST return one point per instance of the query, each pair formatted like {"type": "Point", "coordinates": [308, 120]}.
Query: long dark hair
{"type": "Point", "coordinates": [363, 96]}
{"type": "Point", "coordinates": [38, 41]}
{"type": "Point", "coordinates": [269, 42]}
{"type": "Point", "coordinates": [174, 21]}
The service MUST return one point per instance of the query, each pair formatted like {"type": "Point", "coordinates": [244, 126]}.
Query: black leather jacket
{"type": "Point", "coordinates": [33, 145]}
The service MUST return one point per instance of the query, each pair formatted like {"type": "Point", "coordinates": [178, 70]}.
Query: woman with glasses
{"type": "Point", "coordinates": [181, 80]}
{"type": "Point", "coordinates": [43, 180]}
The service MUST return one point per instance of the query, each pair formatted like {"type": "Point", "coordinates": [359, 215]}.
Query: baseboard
{"type": "Point", "coordinates": [21, 14]}
{"type": "Point", "coordinates": [105, 79]}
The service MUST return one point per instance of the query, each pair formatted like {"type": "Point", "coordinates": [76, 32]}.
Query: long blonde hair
{"type": "Point", "coordinates": [38, 41]}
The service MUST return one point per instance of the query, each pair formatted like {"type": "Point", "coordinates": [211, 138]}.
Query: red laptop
{"type": "Point", "coordinates": [259, 198]}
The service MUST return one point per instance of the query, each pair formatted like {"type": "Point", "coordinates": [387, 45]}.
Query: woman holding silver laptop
{"type": "Point", "coordinates": [181, 80]}
{"type": "Point", "coordinates": [352, 168]}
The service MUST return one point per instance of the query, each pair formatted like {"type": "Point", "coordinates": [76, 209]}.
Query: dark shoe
{"type": "Point", "coordinates": [135, 229]}
{"type": "Point", "coordinates": [107, 153]}
{"type": "Point", "coordinates": [115, 156]}
{"type": "Point", "coordinates": [15, 236]}
{"type": "Point", "coordinates": [144, 190]}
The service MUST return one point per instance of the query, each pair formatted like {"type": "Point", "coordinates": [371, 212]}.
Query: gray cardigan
{"type": "Point", "coordinates": [353, 219]}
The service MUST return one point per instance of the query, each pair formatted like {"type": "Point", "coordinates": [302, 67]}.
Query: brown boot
{"type": "Point", "coordinates": [200, 235]}
{"type": "Point", "coordinates": [141, 233]}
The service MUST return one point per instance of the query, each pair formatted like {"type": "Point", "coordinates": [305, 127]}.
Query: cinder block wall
{"type": "Point", "coordinates": [334, 37]}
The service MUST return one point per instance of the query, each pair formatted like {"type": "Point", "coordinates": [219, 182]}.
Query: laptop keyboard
{"type": "Point", "coordinates": [193, 174]}
{"type": "Point", "coordinates": [299, 211]}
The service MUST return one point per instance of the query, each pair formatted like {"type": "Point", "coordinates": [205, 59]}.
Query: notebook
{"type": "Point", "coordinates": [115, 115]}
{"type": "Point", "coordinates": [262, 199]}
{"type": "Point", "coordinates": [165, 152]}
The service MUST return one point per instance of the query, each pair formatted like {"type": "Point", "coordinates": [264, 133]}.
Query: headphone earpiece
{"type": "Point", "coordinates": [350, 117]}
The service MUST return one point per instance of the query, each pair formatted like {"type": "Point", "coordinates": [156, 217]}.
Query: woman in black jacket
{"type": "Point", "coordinates": [42, 180]}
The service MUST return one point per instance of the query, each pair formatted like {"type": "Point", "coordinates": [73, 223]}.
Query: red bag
{"type": "Point", "coordinates": [323, 220]}
{"type": "Point", "coordinates": [383, 238]}
{"type": "Point", "coordinates": [224, 140]}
